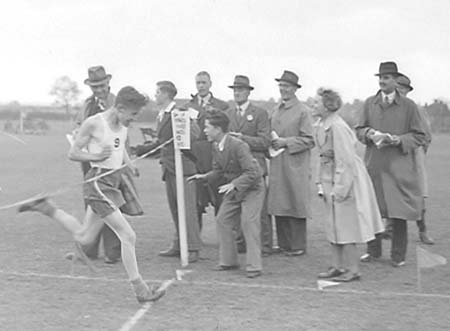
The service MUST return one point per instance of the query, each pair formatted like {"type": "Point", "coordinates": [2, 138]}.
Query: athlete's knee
{"type": "Point", "coordinates": [83, 238]}
{"type": "Point", "coordinates": [128, 237]}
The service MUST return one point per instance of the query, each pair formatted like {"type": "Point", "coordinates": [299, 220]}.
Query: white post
{"type": "Point", "coordinates": [181, 135]}
{"type": "Point", "coordinates": [181, 207]}
{"type": "Point", "coordinates": [419, 277]}
{"type": "Point", "coordinates": [22, 116]}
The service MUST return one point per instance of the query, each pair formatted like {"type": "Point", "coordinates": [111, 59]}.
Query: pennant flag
{"type": "Point", "coordinates": [321, 284]}
{"type": "Point", "coordinates": [426, 259]}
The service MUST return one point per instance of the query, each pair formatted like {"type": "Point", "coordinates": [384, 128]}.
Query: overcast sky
{"type": "Point", "coordinates": [326, 42]}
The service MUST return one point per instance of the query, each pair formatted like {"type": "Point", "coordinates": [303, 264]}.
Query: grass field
{"type": "Point", "coordinates": [37, 291]}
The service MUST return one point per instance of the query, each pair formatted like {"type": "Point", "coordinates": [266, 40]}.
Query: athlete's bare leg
{"type": "Point", "coordinates": [84, 233]}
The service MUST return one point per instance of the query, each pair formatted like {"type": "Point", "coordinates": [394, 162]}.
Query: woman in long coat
{"type": "Point", "coordinates": [346, 189]}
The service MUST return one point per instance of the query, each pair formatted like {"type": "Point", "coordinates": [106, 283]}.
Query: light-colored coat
{"type": "Point", "coordinates": [353, 216]}
{"type": "Point", "coordinates": [290, 173]}
{"type": "Point", "coordinates": [392, 169]}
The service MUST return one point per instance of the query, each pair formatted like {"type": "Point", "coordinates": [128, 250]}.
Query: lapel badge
{"type": "Point", "coordinates": [249, 117]}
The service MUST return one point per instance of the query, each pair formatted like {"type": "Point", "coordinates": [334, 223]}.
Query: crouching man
{"type": "Point", "coordinates": [243, 189]}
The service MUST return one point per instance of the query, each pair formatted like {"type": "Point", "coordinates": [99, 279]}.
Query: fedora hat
{"type": "Point", "coordinates": [289, 77]}
{"type": "Point", "coordinates": [404, 81]}
{"type": "Point", "coordinates": [388, 68]}
{"type": "Point", "coordinates": [241, 81]}
{"type": "Point", "coordinates": [97, 76]}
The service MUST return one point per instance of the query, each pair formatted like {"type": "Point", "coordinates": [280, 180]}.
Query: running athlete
{"type": "Point", "coordinates": [101, 141]}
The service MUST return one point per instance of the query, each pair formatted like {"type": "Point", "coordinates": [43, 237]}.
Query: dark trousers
{"type": "Point", "coordinates": [111, 243]}
{"type": "Point", "coordinates": [207, 194]}
{"type": "Point", "coordinates": [421, 223]}
{"type": "Point", "coordinates": [399, 241]}
{"type": "Point", "coordinates": [291, 233]}
{"type": "Point", "coordinates": [190, 201]}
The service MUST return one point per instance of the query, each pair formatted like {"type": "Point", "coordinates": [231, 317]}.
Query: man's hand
{"type": "Point", "coordinates": [227, 188]}
{"type": "Point", "coordinates": [381, 139]}
{"type": "Point", "coordinates": [104, 154]}
{"type": "Point", "coordinates": [279, 143]}
{"type": "Point", "coordinates": [235, 134]}
{"type": "Point", "coordinates": [395, 140]}
{"type": "Point", "coordinates": [196, 177]}
{"type": "Point", "coordinates": [75, 132]}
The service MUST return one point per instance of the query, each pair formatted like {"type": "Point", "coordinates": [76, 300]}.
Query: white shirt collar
{"type": "Point", "coordinates": [390, 96]}
{"type": "Point", "coordinates": [243, 107]}
{"type": "Point", "coordinates": [205, 99]}
{"type": "Point", "coordinates": [168, 109]}
{"type": "Point", "coordinates": [221, 144]}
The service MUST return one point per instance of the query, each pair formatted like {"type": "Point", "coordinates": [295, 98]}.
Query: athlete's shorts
{"type": "Point", "coordinates": [103, 195]}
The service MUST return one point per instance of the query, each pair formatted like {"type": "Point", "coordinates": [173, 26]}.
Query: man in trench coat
{"type": "Point", "coordinates": [404, 87]}
{"type": "Point", "coordinates": [290, 173]}
{"type": "Point", "coordinates": [391, 128]}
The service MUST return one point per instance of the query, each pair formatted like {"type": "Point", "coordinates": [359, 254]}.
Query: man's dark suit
{"type": "Point", "coordinates": [254, 125]}
{"type": "Point", "coordinates": [202, 150]}
{"type": "Point", "coordinates": [235, 164]}
{"type": "Point", "coordinates": [164, 133]}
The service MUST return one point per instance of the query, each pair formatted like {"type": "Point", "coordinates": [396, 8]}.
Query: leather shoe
{"type": "Point", "coordinates": [254, 273]}
{"type": "Point", "coordinates": [193, 256]}
{"type": "Point", "coordinates": [295, 253]}
{"type": "Point", "coordinates": [277, 250]}
{"type": "Point", "coordinates": [225, 267]}
{"type": "Point", "coordinates": [396, 264]}
{"type": "Point", "coordinates": [331, 272]}
{"type": "Point", "coordinates": [111, 260]}
{"type": "Point", "coordinates": [423, 236]}
{"type": "Point", "coordinates": [171, 252]}
{"type": "Point", "coordinates": [368, 258]}
{"type": "Point", "coordinates": [347, 277]}
{"type": "Point", "coordinates": [265, 254]}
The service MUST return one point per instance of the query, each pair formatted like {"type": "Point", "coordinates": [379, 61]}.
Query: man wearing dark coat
{"type": "Point", "coordinates": [390, 126]}
{"type": "Point", "coordinates": [204, 102]}
{"type": "Point", "coordinates": [250, 124]}
{"type": "Point", "coordinates": [243, 191]}
{"type": "Point", "coordinates": [165, 94]}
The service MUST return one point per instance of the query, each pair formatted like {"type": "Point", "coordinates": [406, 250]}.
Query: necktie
{"type": "Point", "coordinates": [101, 104]}
{"type": "Point", "coordinates": [202, 102]}
{"type": "Point", "coordinates": [239, 111]}
{"type": "Point", "coordinates": [386, 100]}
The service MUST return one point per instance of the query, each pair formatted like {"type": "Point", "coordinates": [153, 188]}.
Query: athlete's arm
{"type": "Point", "coordinates": [83, 138]}
{"type": "Point", "coordinates": [127, 161]}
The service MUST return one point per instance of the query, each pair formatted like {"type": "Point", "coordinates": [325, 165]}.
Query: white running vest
{"type": "Point", "coordinates": [110, 138]}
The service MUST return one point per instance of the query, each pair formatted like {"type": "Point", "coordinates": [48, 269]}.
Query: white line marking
{"type": "Point", "coordinates": [314, 289]}
{"type": "Point", "coordinates": [132, 321]}
{"type": "Point", "coordinates": [13, 137]}
{"type": "Point", "coordinates": [135, 318]}
{"type": "Point", "coordinates": [232, 284]}
{"type": "Point", "coordinates": [180, 273]}
{"type": "Point", "coordinates": [44, 275]}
